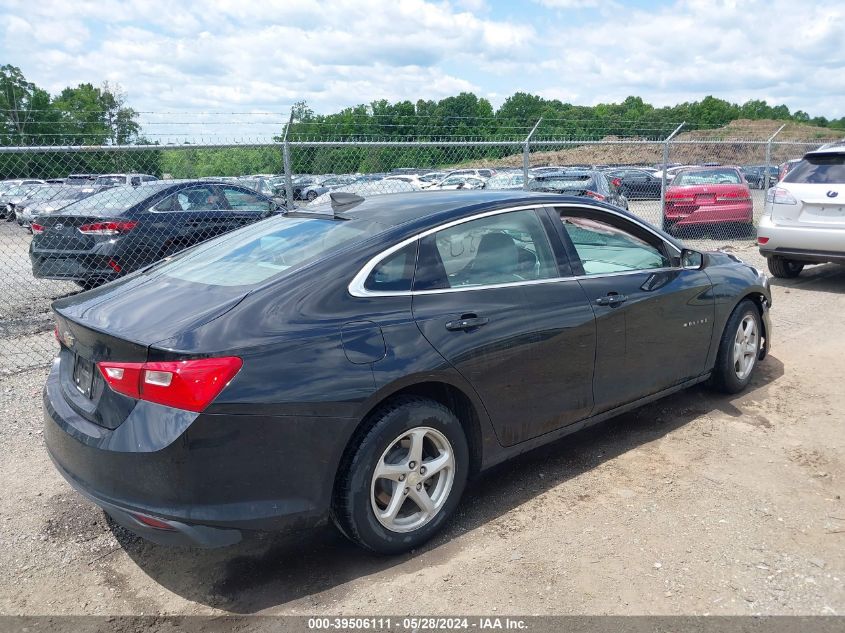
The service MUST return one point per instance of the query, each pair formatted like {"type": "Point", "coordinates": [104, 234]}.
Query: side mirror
{"type": "Point", "coordinates": [691, 260]}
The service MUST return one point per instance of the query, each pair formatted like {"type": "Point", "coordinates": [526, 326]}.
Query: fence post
{"type": "Point", "coordinates": [663, 173]}
{"type": "Point", "coordinates": [289, 202]}
{"type": "Point", "coordinates": [526, 155]}
{"type": "Point", "coordinates": [769, 157]}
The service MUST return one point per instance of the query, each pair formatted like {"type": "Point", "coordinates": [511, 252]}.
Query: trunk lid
{"type": "Point", "coordinates": [818, 205]}
{"type": "Point", "coordinates": [120, 322]}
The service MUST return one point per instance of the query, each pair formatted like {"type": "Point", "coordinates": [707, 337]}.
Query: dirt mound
{"type": "Point", "coordinates": [740, 142]}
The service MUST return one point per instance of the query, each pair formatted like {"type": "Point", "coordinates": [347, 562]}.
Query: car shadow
{"type": "Point", "coordinates": [821, 278]}
{"type": "Point", "coordinates": [271, 570]}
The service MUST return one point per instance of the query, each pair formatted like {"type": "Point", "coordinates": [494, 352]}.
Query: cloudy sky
{"type": "Point", "coordinates": [263, 55]}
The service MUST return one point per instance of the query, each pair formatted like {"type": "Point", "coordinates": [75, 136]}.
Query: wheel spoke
{"type": "Point", "coordinates": [421, 498]}
{"type": "Point", "coordinates": [751, 347]}
{"type": "Point", "coordinates": [416, 448]}
{"type": "Point", "coordinates": [434, 466]}
{"type": "Point", "coordinates": [390, 471]}
{"type": "Point", "coordinates": [396, 500]}
{"type": "Point", "coordinates": [737, 351]}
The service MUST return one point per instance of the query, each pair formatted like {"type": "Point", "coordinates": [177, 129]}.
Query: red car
{"type": "Point", "coordinates": [708, 195]}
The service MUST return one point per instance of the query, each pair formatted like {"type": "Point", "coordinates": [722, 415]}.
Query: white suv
{"type": "Point", "coordinates": [804, 219]}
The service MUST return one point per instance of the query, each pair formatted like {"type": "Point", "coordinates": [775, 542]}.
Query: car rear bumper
{"type": "Point", "coordinates": [73, 267]}
{"type": "Point", "coordinates": [688, 216]}
{"type": "Point", "coordinates": [208, 477]}
{"type": "Point", "coordinates": [807, 243]}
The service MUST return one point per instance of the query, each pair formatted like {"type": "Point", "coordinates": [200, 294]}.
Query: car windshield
{"type": "Point", "coordinates": [45, 193]}
{"type": "Point", "coordinates": [263, 250]}
{"type": "Point", "coordinates": [819, 169]}
{"type": "Point", "coordinates": [114, 200]}
{"type": "Point", "coordinates": [19, 190]}
{"type": "Point", "coordinates": [707, 177]}
{"type": "Point", "coordinates": [109, 180]}
{"type": "Point", "coordinates": [506, 180]}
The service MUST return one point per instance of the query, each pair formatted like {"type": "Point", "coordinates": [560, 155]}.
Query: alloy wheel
{"type": "Point", "coordinates": [745, 347]}
{"type": "Point", "coordinates": [412, 479]}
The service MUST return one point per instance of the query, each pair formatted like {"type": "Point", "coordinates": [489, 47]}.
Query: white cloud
{"type": "Point", "coordinates": [253, 55]}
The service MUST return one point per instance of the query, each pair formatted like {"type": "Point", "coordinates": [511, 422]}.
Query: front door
{"type": "Point", "coordinates": [654, 319]}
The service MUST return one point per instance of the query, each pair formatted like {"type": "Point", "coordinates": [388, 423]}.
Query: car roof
{"type": "Point", "coordinates": [394, 209]}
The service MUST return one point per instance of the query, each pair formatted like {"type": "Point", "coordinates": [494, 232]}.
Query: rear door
{"type": "Point", "coordinates": [488, 295]}
{"type": "Point", "coordinates": [654, 320]}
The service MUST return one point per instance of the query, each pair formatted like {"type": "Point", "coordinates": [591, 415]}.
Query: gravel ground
{"type": "Point", "coordinates": [697, 504]}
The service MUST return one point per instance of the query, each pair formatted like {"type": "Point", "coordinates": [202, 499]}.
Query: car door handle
{"type": "Point", "coordinates": [611, 300]}
{"type": "Point", "coordinates": [467, 322]}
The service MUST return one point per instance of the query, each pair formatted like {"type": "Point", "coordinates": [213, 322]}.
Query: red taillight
{"type": "Point", "coordinates": [762, 240]}
{"type": "Point", "coordinates": [617, 182]}
{"type": "Point", "coordinates": [114, 266]}
{"type": "Point", "coordinates": [156, 524]}
{"type": "Point", "coordinates": [679, 197]}
{"type": "Point", "coordinates": [108, 228]}
{"type": "Point", "coordinates": [36, 228]}
{"type": "Point", "coordinates": [594, 195]}
{"type": "Point", "coordinates": [187, 384]}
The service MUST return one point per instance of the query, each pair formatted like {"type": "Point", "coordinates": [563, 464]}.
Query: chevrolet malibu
{"type": "Point", "coordinates": [361, 360]}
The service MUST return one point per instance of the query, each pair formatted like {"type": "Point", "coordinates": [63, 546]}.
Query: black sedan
{"type": "Point", "coordinates": [636, 183]}
{"type": "Point", "coordinates": [122, 229]}
{"type": "Point", "coordinates": [591, 184]}
{"type": "Point", "coordinates": [360, 361]}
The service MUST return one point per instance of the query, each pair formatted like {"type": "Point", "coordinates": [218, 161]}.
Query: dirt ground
{"type": "Point", "coordinates": [696, 504]}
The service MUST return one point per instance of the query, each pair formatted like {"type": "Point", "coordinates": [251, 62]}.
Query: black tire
{"type": "Point", "coordinates": [668, 226]}
{"type": "Point", "coordinates": [724, 377]}
{"type": "Point", "coordinates": [784, 268]}
{"type": "Point", "coordinates": [311, 195]}
{"type": "Point", "coordinates": [352, 509]}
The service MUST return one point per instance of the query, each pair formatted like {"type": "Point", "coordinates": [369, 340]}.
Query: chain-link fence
{"type": "Point", "coordinates": [76, 217]}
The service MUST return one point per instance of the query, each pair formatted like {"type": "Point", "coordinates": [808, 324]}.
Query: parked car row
{"type": "Point", "coordinates": [120, 229]}
{"type": "Point", "coordinates": [23, 199]}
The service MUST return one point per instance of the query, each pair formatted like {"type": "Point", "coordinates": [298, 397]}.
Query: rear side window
{"type": "Point", "coordinates": [505, 248]}
{"type": "Point", "coordinates": [820, 169]}
{"type": "Point", "coordinates": [395, 272]}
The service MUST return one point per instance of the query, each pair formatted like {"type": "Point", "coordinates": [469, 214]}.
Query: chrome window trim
{"type": "Point", "coordinates": [356, 286]}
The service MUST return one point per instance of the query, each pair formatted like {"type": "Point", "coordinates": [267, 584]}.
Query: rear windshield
{"type": "Point", "coordinates": [574, 182]}
{"type": "Point", "coordinates": [113, 201]}
{"type": "Point", "coordinates": [110, 180]}
{"type": "Point", "coordinates": [708, 177]}
{"type": "Point", "coordinates": [819, 169]}
{"type": "Point", "coordinates": [263, 250]}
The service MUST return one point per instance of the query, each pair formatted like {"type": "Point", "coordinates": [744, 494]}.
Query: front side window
{"type": "Point", "coordinates": [605, 248]}
{"type": "Point", "coordinates": [241, 200]}
{"type": "Point", "coordinates": [505, 248]}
